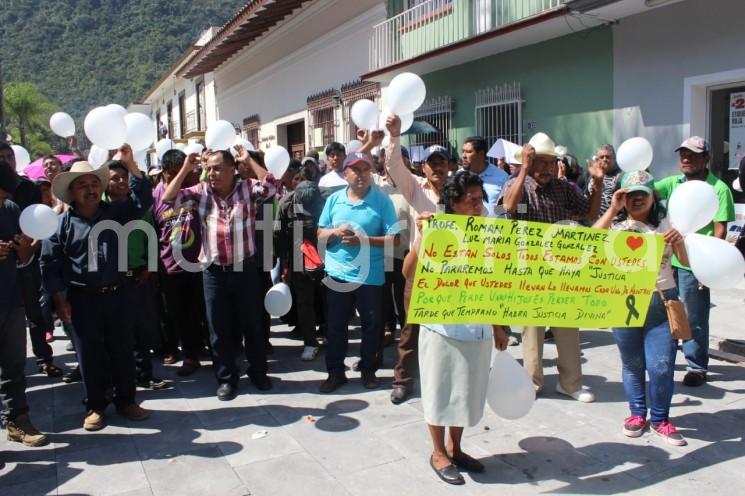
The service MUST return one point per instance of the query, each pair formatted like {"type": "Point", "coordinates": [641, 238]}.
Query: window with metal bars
{"type": "Point", "coordinates": [351, 93]}
{"type": "Point", "coordinates": [322, 118]}
{"type": "Point", "coordinates": [251, 127]}
{"type": "Point", "coordinates": [438, 113]}
{"type": "Point", "coordinates": [499, 113]}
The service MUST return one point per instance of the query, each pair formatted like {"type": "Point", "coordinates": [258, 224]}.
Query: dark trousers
{"type": "Point", "coordinates": [393, 297]}
{"type": "Point", "coordinates": [407, 367]}
{"type": "Point", "coordinates": [234, 313]}
{"type": "Point", "coordinates": [12, 363]}
{"type": "Point", "coordinates": [184, 305]}
{"type": "Point", "coordinates": [305, 288]}
{"type": "Point", "coordinates": [103, 337]}
{"type": "Point", "coordinates": [369, 303]}
{"type": "Point", "coordinates": [143, 328]}
{"type": "Point", "coordinates": [29, 279]}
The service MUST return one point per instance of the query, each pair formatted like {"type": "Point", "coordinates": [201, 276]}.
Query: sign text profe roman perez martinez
{"type": "Point", "coordinates": [496, 271]}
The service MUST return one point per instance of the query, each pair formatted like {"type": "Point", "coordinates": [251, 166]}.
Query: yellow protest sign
{"type": "Point", "coordinates": [498, 271]}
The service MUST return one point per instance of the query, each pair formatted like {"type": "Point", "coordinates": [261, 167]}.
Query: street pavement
{"type": "Point", "coordinates": [295, 441]}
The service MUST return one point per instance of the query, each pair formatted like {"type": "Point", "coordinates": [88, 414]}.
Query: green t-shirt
{"type": "Point", "coordinates": [726, 213]}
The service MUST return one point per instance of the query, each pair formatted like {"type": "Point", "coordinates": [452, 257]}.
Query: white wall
{"type": "Point", "coordinates": [658, 58]}
{"type": "Point", "coordinates": [280, 89]}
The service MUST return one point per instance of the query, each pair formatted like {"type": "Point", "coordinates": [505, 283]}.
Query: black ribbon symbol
{"type": "Point", "coordinates": [631, 305]}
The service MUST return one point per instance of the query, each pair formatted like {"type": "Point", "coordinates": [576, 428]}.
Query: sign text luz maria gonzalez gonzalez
{"type": "Point", "coordinates": [497, 271]}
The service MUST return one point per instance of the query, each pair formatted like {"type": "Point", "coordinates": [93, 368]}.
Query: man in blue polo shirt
{"type": "Point", "coordinates": [356, 224]}
{"type": "Point", "coordinates": [474, 159]}
{"type": "Point", "coordinates": [694, 158]}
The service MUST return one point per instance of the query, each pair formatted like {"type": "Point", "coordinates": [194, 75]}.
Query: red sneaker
{"type": "Point", "coordinates": [669, 433]}
{"type": "Point", "coordinates": [634, 426]}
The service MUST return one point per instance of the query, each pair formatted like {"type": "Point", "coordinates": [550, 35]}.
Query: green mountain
{"type": "Point", "coordinates": [84, 53]}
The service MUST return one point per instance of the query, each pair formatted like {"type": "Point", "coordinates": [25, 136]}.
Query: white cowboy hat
{"type": "Point", "coordinates": [544, 146]}
{"type": "Point", "coordinates": [61, 183]}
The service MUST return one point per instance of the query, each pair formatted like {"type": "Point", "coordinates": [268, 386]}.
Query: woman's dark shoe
{"type": "Point", "coordinates": [468, 463]}
{"type": "Point", "coordinates": [447, 473]}
{"type": "Point", "coordinates": [50, 369]}
{"type": "Point", "coordinates": [226, 392]}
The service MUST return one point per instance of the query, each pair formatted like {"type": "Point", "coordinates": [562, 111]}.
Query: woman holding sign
{"type": "Point", "coordinates": [651, 347]}
{"type": "Point", "coordinates": [454, 359]}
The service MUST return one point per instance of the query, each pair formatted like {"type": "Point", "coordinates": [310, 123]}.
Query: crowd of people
{"type": "Point", "coordinates": [202, 232]}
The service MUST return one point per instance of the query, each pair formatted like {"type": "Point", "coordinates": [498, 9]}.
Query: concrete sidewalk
{"type": "Point", "coordinates": [293, 440]}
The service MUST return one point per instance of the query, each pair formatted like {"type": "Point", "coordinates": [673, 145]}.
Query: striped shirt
{"type": "Point", "coordinates": [228, 224]}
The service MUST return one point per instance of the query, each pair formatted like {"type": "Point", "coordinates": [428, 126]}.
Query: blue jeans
{"type": "Point", "coordinates": [652, 349]}
{"type": "Point", "coordinates": [368, 300]}
{"type": "Point", "coordinates": [697, 304]}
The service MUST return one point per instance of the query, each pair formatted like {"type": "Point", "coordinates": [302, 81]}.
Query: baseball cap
{"type": "Point", "coordinates": [696, 144]}
{"type": "Point", "coordinates": [355, 158]}
{"type": "Point", "coordinates": [436, 150]}
{"type": "Point", "coordinates": [638, 181]}
{"type": "Point", "coordinates": [309, 159]}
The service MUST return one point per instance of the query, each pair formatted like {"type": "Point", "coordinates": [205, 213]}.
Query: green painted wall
{"type": "Point", "coordinates": [566, 83]}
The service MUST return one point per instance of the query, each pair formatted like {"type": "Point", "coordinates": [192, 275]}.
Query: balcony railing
{"type": "Point", "coordinates": [438, 23]}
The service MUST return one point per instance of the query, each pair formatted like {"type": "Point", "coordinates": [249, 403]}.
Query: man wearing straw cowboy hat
{"type": "Point", "coordinates": [81, 270]}
{"type": "Point", "coordinates": [536, 194]}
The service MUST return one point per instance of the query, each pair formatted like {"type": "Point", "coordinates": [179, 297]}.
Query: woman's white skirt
{"type": "Point", "coordinates": [454, 377]}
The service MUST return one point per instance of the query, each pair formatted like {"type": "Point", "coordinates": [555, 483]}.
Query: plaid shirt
{"type": "Point", "coordinates": [228, 224]}
{"type": "Point", "coordinates": [556, 201]}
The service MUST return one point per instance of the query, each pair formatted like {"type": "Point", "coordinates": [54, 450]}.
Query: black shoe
{"type": "Point", "coordinates": [468, 463]}
{"type": "Point", "coordinates": [262, 382]}
{"type": "Point", "coordinates": [694, 379]}
{"type": "Point", "coordinates": [152, 383]}
{"type": "Point", "coordinates": [332, 383]}
{"type": "Point", "coordinates": [72, 376]}
{"type": "Point", "coordinates": [369, 381]}
{"type": "Point", "coordinates": [227, 392]}
{"type": "Point", "coordinates": [399, 394]}
{"type": "Point", "coordinates": [448, 473]}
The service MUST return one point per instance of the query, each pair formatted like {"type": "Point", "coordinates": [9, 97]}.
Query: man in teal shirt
{"type": "Point", "coordinates": [356, 225]}
{"type": "Point", "coordinates": [694, 158]}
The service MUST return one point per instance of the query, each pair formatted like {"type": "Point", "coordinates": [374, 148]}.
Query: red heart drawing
{"type": "Point", "coordinates": [634, 242]}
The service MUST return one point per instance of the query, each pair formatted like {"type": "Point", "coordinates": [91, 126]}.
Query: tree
{"type": "Point", "coordinates": [26, 108]}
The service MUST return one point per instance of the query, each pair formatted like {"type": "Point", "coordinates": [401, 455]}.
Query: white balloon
{"type": "Point", "coordinates": [162, 146]}
{"type": "Point", "coordinates": [278, 300]}
{"type": "Point", "coordinates": [105, 127]}
{"type": "Point", "coordinates": [180, 147]}
{"type": "Point", "coordinates": [22, 157]}
{"type": "Point", "coordinates": [38, 221]}
{"type": "Point", "coordinates": [364, 114]}
{"type": "Point", "coordinates": [193, 148]}
{"type": "Point", "coordinates": [277, 159]}
{"type": "Point", "coordinates": [97, 156]}
{"type": "Point", "coordinates": [406, 120]}
{"type": "Point", "coordinates": [692, 206]}
{"type": "Point", "coordinates": [634, 154]}
{"type": "Point", "coordinates": [242, 142]}
{"type": "Point", "coordinates": [140, 130]}
{"type": "Point", "coordinates": [220, 135]}
{"type": "Point", "coordinates": [353, 146]}
{"type": "Point", "coordinates": [117, 108]}
{"type": "Point", "coordinates": [62, 124]}
{"type": "Point", "coordinates": [406, 93]}
{"type": "Point", "coordinates": [511, 393]}
{"type": "Point", "coordinates": [716, 263]}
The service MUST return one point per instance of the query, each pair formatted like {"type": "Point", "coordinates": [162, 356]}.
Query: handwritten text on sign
{"type": "Point", "coordinates": [495, 271]}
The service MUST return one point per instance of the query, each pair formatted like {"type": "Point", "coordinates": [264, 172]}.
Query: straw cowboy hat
{"type": "Point", "coordinates": [61, 183]}
{"type": "Point", "coordinates": [544, 146]}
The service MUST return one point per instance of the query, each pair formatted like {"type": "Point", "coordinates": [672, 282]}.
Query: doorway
{"type": "Point", "coordinates": [296, 139]}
